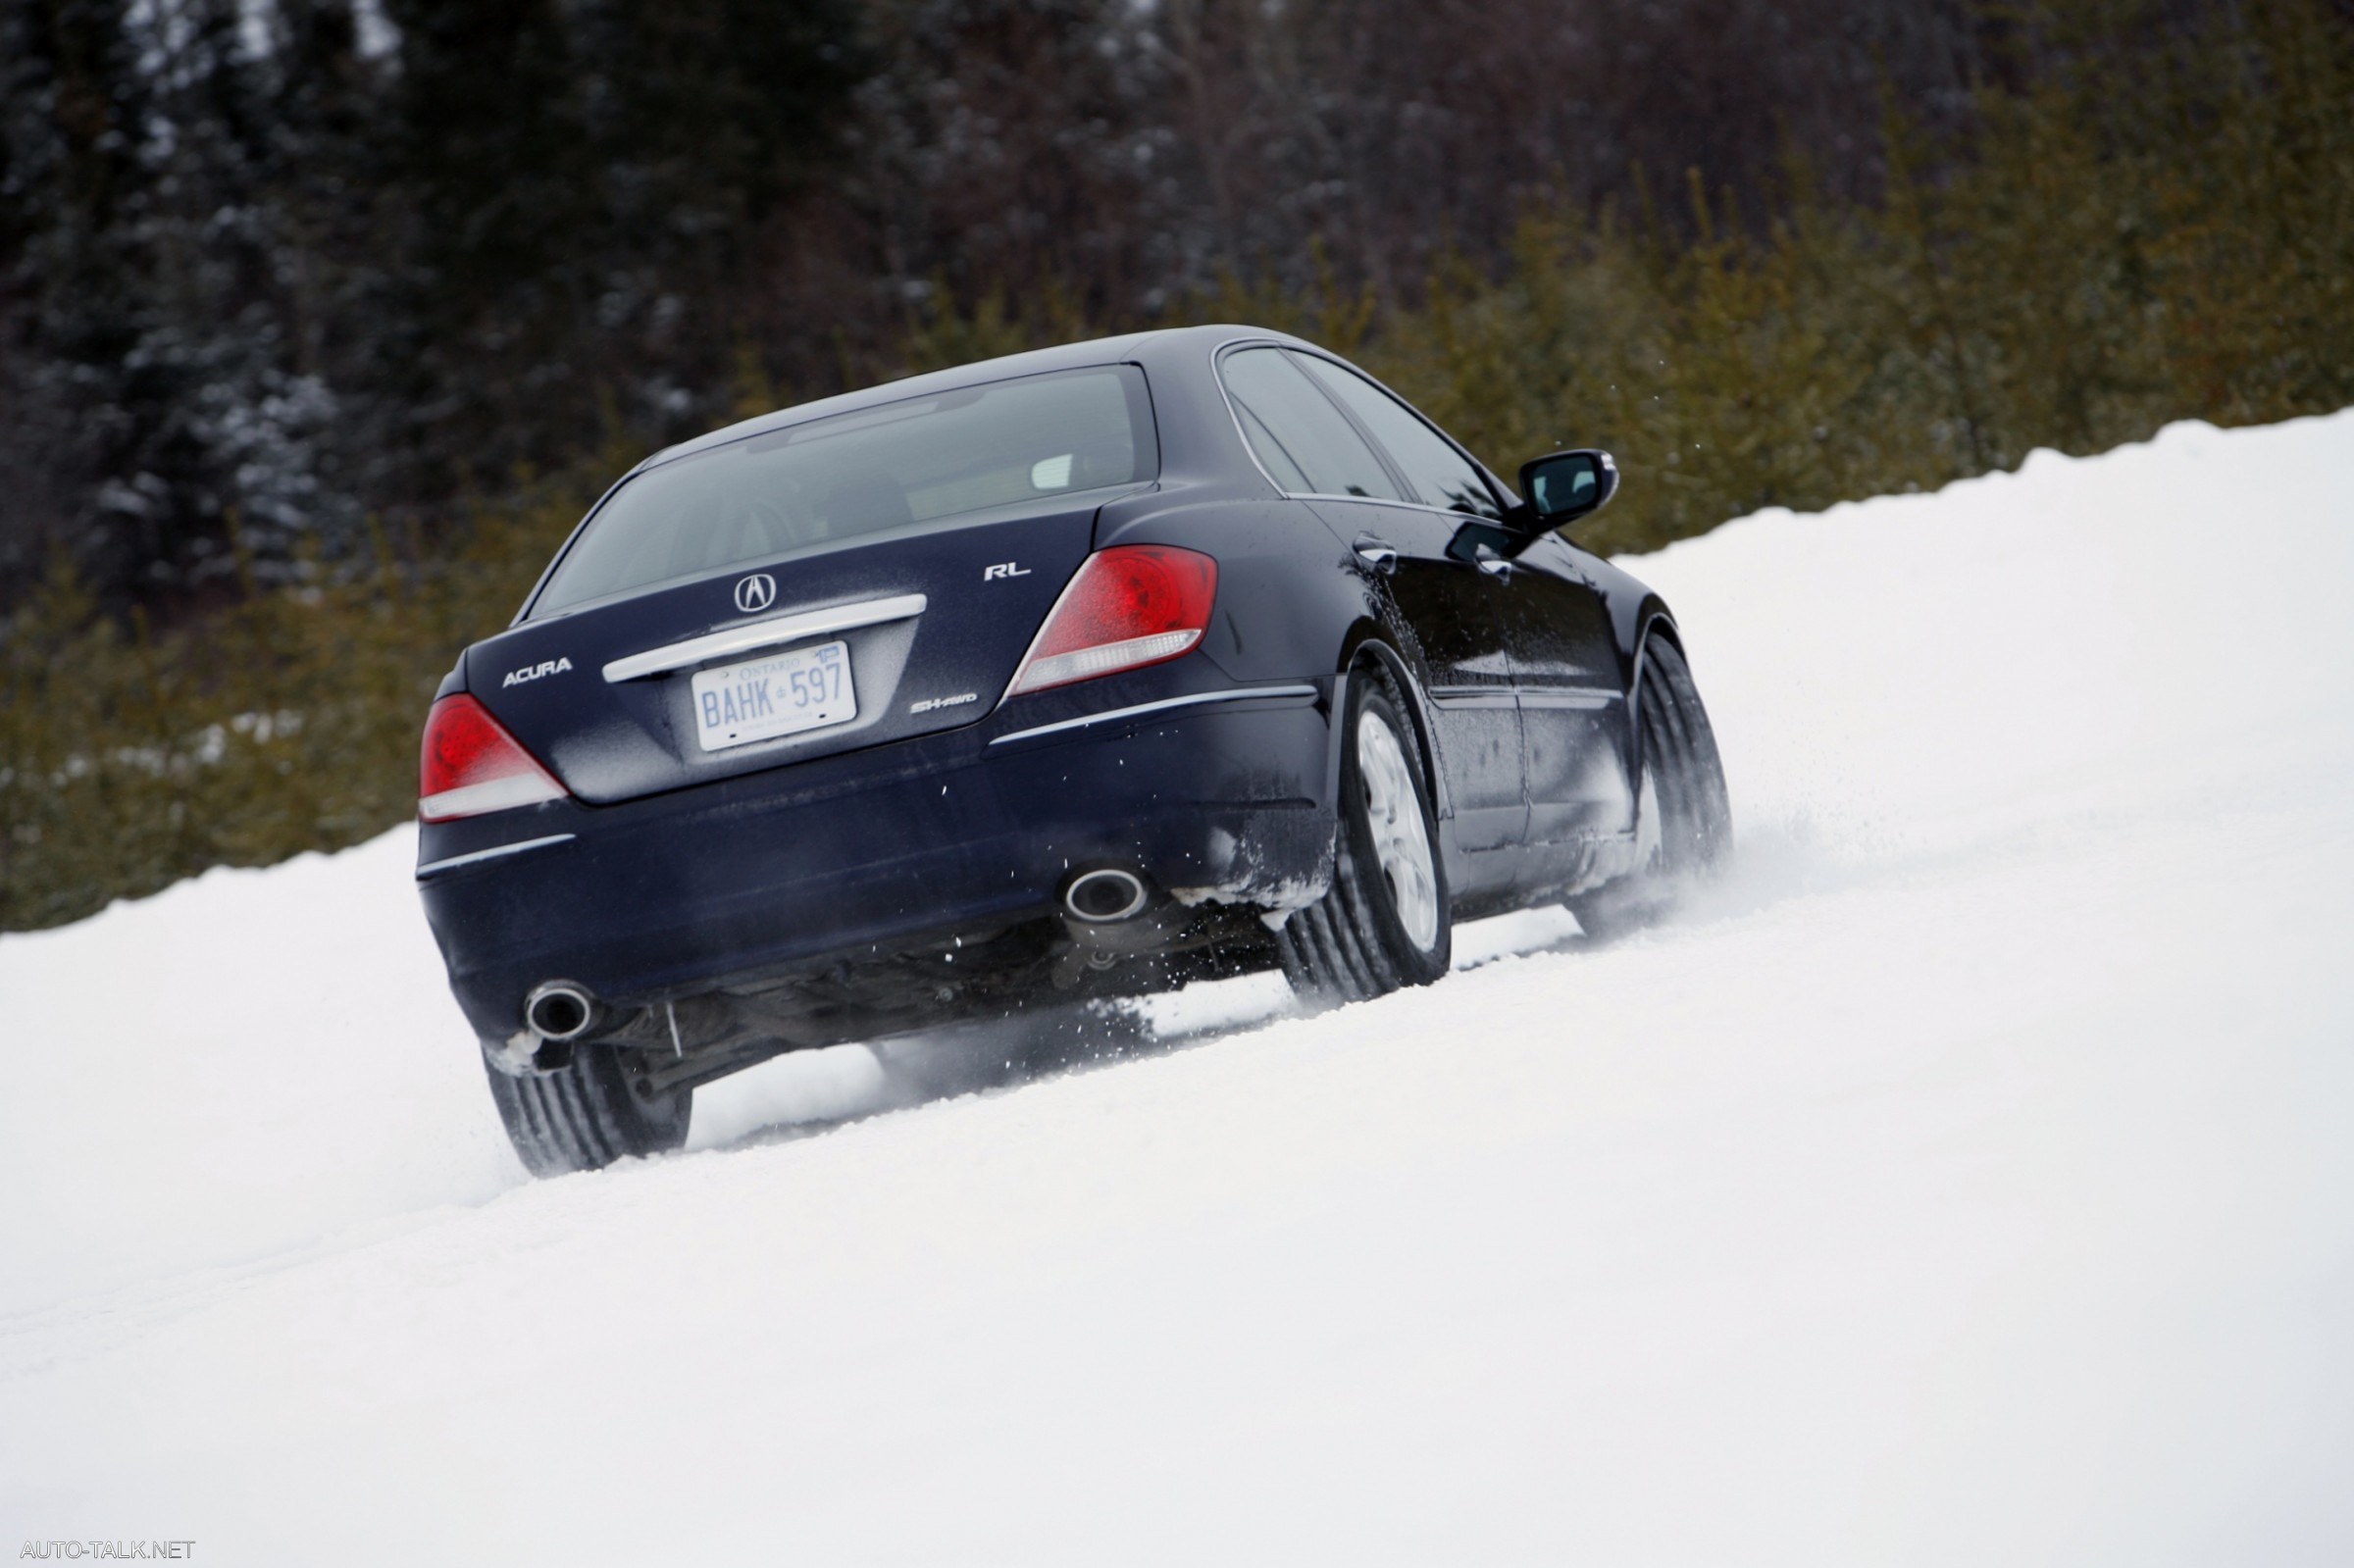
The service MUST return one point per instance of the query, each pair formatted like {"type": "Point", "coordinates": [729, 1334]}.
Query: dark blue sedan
{"type": "Point", "coordinates": [1070, 675]}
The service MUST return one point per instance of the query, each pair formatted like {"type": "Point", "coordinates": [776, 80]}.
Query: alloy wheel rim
{"type": "Point", "coordinates": [1401, 836]}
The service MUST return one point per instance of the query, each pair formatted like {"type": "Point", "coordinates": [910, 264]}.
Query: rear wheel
{"type": "Point", "coordinates": [586, 1114]}
{"type": "Point", "coordinates": [1684, 817]}
{"type": "Point", "coordinates": [1384, 922]}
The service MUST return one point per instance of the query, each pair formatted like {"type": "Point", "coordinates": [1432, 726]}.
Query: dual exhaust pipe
{"type": "Point", "coordinates": [560, 1010]}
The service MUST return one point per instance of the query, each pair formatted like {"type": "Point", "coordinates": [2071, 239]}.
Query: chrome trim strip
{"type": "Point", "coordinates": [1402, 505]}
{"type": "Point", "coordinates": [1584, 697]}
{"type": "Point", "coordinates": [432, 867]}
{"type": "Point", "coordinates": [1115, 715]}
{"type": "Point", "coordinates": [765, 634]}
{"type": "Point", "coordinates": [1472, 696]}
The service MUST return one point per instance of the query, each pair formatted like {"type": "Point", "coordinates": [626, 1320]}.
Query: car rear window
{"type": "Point", "coordinates": [893, 469]}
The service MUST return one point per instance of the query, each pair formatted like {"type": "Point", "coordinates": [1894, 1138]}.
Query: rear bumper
{"type": "Point", "coordinates": [865, 854]}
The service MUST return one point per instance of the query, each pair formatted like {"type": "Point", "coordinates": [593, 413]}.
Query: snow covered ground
{"type": "Point", "coordinates": [1970, 1179]}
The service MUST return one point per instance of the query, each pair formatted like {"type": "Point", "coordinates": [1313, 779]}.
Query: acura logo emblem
{"type": "Point", "coordinates": [756, 593]}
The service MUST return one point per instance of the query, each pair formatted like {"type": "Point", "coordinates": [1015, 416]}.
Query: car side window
{"type": "Point", "coordinates": [1441, 475]}
{"type": "Point", "coordinates": [1299, 435]}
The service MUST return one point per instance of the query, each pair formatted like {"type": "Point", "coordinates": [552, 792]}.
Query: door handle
{"type": "Point", "coordinates": [1378, 553]}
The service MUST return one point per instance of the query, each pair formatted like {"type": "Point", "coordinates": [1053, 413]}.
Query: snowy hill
{"type": "Point", "coordinates": [1968, 1180]}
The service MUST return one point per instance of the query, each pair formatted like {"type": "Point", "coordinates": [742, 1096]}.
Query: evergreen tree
{"type": "Point", "coordinates": [79, 276]}
{"type": "Point", "coordinates": [176, 254]}
{"type": "Point", "coordinates": [592, 183]}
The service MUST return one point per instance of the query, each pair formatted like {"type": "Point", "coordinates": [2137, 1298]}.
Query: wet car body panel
{"type": "Point", "coordinates": [1448, 616]}
{"type": "Point", "coordinates": [660, 897]}
{"type": "Point", "coordinates": [1570, 680]}
{"type": "Point", "coordinates": [671, 872]}
{"type": "Point", "coordinates": [611, 740]}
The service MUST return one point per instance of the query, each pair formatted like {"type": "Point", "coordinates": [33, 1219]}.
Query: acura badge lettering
{"type": "Point", "coordinates": [547, 667]}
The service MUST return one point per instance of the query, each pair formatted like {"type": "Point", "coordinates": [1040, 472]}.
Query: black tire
{"type": "Point", "coordinates": [1358, 941]}
{"type": "Point", "coordinates": [1681, 788]}
{"type": "Point", "coordinates": [585, 1114]}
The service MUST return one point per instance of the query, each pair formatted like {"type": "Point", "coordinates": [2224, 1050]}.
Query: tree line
{"type": "Point", "coordinates": [320, 320]}
{"type": "Point", "coordinates": [276, 266]}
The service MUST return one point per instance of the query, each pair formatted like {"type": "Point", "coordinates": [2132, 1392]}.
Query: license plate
{"type": "Point", "coordinates": [781, 694]}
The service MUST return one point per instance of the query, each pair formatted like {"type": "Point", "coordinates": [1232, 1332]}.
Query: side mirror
{"type": "Point", "coordinates": [1564, 487]}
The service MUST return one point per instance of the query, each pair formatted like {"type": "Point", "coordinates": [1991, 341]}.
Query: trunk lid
{"type": "Point", "coordinates": [985, 586]}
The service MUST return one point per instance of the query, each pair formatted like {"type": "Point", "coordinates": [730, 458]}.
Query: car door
{"type": "Point", "coordinates": [1449, 491]}
{"type": "Point", "coordinates": [1445, 611]}
{"type": "Point", "coordinates": [1556, 627]}
{"type": "Point", "coordinates": [1572, 693]}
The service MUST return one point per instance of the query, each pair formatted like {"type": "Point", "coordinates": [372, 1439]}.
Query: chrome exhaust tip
{"type": "Point", "coordinates": [1107, 894]}
{"type": "Point", "coordinates": [559, 1010]}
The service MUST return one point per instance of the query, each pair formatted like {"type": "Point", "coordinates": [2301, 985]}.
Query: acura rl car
{"type": "Point", "coordinates": [1070, 675]}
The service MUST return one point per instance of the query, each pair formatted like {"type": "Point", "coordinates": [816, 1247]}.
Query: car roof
{"type": "Point", "coordinates": [1164, 347]}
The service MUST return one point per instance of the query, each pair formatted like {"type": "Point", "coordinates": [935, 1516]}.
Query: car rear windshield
{"type": "Point", "coordinates": [1003, 446]}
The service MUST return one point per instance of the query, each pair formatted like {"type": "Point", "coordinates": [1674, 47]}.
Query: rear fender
{"type": "Point", "coordinates": [1282, 599]}
{"type": "Point", "coordinates": [1368, 642]}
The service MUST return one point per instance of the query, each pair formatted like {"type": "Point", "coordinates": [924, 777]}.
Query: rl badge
{"type": "Point", "coordinates": [780, 694]}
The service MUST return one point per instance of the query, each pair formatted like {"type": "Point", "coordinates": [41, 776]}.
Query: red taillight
{"type": "Point", "coordinates": [1128, 606]}
{"type": "Point", "coordinates": [472, 765]}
